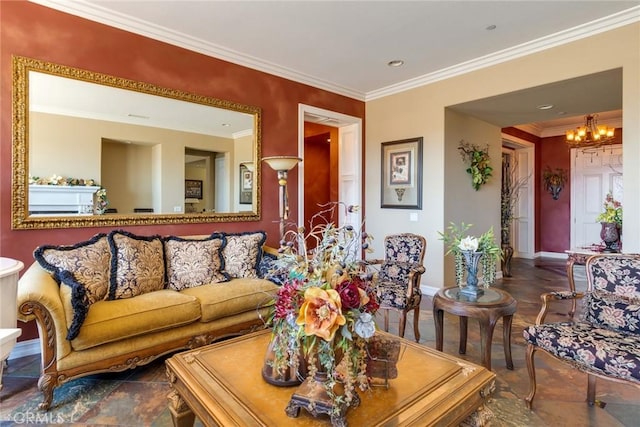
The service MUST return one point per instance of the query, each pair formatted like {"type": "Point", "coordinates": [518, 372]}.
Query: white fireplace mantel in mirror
{"type": "Point", "coordinates": [61, 199]}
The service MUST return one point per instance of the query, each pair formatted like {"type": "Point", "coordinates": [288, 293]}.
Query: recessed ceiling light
{"type": "Point", "coordinates": [491, 27]}
{"type": "Point", "coordinates": [396, 63]}
{"type": "Point", "coordinates": [545, 107]}
{"type": "Point", "coordinates": [226, 125]}
{"type": "Point", "coordinates": [561, 113]}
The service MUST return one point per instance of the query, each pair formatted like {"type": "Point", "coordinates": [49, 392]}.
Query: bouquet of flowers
{"type": "Point", "coordinates": [323, 313]}
{"type": "Point", "coordinates": [612, 211]}
{"type": "Point", "coordinates": [101, 201]}
{"type": "Point", "coordinates": [456, 242]}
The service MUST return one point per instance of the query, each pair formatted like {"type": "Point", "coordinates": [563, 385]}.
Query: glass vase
{"type": "Point", "coordinates": [471, 260]}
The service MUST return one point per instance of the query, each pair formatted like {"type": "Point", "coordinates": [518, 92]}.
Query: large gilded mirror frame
{"type": "Point", "coordinates": [20, 215]}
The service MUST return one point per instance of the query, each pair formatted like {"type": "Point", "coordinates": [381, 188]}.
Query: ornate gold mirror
{"type": "Point", "coordinates": [155, 155]}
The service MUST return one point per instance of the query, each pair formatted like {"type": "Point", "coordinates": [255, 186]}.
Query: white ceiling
{"type": "Point", "coordinates": [344, 46]}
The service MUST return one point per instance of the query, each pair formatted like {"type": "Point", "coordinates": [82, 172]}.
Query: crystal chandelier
{"type": "Point", "coordinates": [591, 135]}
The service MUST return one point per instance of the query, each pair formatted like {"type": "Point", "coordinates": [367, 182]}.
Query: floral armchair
{"type": "Point", "coordinates": [398, 282]}
{"type": "Point", "coordinates": [605, 341]}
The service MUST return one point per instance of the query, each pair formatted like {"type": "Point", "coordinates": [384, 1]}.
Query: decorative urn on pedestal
{"type": "Point", "coordinates": [611, 224]}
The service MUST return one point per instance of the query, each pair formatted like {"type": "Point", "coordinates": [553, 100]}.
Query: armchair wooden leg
{"type": "Point", "coordinates": [531, 369]}
{"type": "Point", "coordinates": [402, 323]}
{"type": "Point", "coordinates": [386, 320]}
{"type": "Point", "coordinates": [416, 323]}
{"type": "Point", "coordinates": [591, 389]}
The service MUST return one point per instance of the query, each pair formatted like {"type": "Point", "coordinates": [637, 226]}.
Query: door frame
{"type": "Point", "coordinates": [338, 120]}
{"type": "Point", "coordinates": [517, 144]}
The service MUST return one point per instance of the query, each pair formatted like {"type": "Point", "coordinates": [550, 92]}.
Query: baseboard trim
{"type": "Point", "coordinates": [429, 290]}
{"type": "Point", "coordinates": [559, 255]}
{"type": "Point", "coordinates": [25, 348]}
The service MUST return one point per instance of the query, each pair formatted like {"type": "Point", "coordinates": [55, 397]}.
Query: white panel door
{"type": "Point", "coordinates": [523, 240]}
{"type": "Point", "coordinates": [349, 175]}
{"type": "Point", "coordinates": [594, 175]}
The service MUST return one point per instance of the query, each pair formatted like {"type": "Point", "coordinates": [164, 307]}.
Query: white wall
{"type": "Point", "coordinates": [421, 112]}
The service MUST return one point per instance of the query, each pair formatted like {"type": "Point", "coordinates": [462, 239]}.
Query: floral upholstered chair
{"type": "Point", "coordinates": [605, 341]}
{"type": "Point", "coordinates": [398, 281]}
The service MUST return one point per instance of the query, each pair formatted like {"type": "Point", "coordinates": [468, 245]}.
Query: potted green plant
{"type": "Point", "coordinates": [460, 245]}
{"type": "Point", "coordinates": [478, 162]}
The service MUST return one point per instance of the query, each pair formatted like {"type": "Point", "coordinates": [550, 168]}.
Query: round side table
{"type": "Point", "coordinates": [488, 308]}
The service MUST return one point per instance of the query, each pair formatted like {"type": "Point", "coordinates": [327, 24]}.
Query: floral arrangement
{"type": "Point", "coordinates": [478, 161]}
{"type": "Point", "coordinates": [324, 312]}
{"type": "Point", "coordinates": [60, 180]}
{"type": "Point", "coordinates": [612, 211]}
{"type": "Point", "coordinates": [454, 239]}
{"type": "Point", "coordinates": [101, 201]}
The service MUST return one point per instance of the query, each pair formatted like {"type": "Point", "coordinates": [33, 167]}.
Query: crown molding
{"type": "Point", "coordinates": [156, 32]}
{"type": "Point", "coordinates": [588, 29]}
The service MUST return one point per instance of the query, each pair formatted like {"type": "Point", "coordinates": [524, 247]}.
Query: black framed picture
{"type": "Point", "coordinates": [246, 186]}
{"type": "Point", "coordinates": [192, 189]}
{"type": "Point", "coordinates": [401, 174]}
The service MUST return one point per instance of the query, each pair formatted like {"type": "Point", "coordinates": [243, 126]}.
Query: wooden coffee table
{"type": "Point", "coordinates": [222, 385]}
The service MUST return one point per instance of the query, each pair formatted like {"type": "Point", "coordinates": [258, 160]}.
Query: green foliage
{"type": "Point", "coordinates": [478, 162]}
{"type": "Point", "coordinates": [492, 253]}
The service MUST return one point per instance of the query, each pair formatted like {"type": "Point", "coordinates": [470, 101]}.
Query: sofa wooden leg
{"type": "Point", "coordinates": [46, 384]}
{"type": "Point", "coordinates": [531, 369]}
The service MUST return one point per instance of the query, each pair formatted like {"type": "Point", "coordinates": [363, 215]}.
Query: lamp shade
{"type": "Point", "coordinates": [282, 163]}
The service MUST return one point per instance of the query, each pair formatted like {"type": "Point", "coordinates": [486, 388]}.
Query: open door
{"type": "Point", "coordinates": [349, 158]}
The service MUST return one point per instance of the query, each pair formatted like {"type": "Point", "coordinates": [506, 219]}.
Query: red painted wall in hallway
{"type": "Point", "coordinates": [31, 30]}
{"type": "Point", "coordinates": [555, 215]}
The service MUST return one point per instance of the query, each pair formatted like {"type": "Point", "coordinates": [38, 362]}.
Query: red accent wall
{"type": "Point", "coordinates": [554, 224]}
{"type": "Point", "coordinates": [31, 30]}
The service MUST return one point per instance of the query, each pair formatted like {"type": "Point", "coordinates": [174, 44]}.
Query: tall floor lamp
{"type": "Point", "coordinates": [282, 165]}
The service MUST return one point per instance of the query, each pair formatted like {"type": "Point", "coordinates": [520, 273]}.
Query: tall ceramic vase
{"type": "Point", "coordinates": [610, 236]}
{"type": "Point", "coordinates": [471, 260]}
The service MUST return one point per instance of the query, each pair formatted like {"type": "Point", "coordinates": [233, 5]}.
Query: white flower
{"type": "Point", "coordinates": [365, 327]}
{"type": "Point", "coordinates": [469, 243]}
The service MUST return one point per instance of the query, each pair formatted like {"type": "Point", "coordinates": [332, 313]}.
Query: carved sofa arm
{"type": "Point", "coordinates": [39, 298]}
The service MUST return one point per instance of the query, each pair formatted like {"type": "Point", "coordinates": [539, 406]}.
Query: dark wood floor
{"type": "Point", "coordinates": [138, 397]}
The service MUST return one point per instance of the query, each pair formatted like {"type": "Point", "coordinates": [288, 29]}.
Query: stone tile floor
{"type": "Point", "coordinates": [138, 397]}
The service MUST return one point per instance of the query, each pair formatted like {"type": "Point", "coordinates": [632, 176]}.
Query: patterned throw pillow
{"type": "Point", "coordinates": [192, 263]}
{"type": "Point", "coordinates": [243, 253]}
{"type": "Point", "coordinates": [137, 264]}
{"type": "Point", "coordinates": [84, 267]}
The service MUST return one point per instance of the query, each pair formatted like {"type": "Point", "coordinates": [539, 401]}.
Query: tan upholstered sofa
{"type": "Point", "coordinates": [119, 301]}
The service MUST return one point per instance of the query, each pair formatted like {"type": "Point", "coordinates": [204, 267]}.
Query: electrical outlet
{"type": "Point", "coordinates": [177, 208]}
{"type": "Point", "coordinates": [413, 217]}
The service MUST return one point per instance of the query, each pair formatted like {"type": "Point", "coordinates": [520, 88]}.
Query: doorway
{"type": "Point", "coordinates": [521, 157]}
{"type": "Point", "coordinates": [593, 175]}
{"type": "Point", "coordinates": [349, 159]}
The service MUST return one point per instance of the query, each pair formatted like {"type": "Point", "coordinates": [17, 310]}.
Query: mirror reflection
{"type": "Point", "coordinates": [109, 151]}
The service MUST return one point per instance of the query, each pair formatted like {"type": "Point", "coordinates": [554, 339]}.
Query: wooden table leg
{"type": "Point", "coordinates": [486, 337]}
{"type": "Point", "coordinates": [438, 320]}
{"type": "Point", "coordinates": [506, 339]}
{"type": "Point", "coordinates": [462, 349]}
{"type": "Point", "coordinates": [181, 414]}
